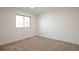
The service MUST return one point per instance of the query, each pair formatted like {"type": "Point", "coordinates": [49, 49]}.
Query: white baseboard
{"type": "Point", "coordinates": [3, 43]}
{"type": "Point", "coordinates": [60, 39]}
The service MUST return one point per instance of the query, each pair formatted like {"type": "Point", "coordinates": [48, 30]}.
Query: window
{"type": "Point", "coordinates": [22, 21]}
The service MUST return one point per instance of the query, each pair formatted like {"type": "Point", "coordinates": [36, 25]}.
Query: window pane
{"type": "Point", "coordinates": [19, 21]}
{"type": "Point", "coordinates": [27, 21]}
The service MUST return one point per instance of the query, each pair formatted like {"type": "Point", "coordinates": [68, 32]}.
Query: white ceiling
{"type": "Point", "coordinates": [36, 10]}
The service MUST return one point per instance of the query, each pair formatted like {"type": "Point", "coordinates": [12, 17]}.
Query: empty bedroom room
{"type": "Point", "coordinates": [39, 29]}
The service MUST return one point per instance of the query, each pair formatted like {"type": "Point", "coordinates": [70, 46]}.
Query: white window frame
{"type": "Point", "coordinates": [24, 22]}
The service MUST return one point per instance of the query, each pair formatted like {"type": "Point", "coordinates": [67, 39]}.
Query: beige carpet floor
{"type": "Point", "coordinates": [38, 43]}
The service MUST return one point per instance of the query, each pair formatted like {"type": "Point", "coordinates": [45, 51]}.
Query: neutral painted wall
{"type": "Point", "coordinates": [0, 27]}
{"type": "Point", "coordinates": [78, 26]}
{"type": "Point", "coordinates": [61, 24]}
{"type": "Point", "coordinates": [9, 32]}
{"type": "Point", "coordinates": [7, 18]}
{"type": "Point", "coordinates": [27, 32]}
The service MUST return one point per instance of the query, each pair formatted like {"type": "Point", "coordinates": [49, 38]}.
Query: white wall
{"type": "Point", "coordinates": [0, 27]}
{"type": "Point", "coordinates": [9, 32]}
{"type": "Point", "coordinates": [7, 18]}
{"type": "Point", "coordinates": [78, 26]}
{"type": "Point", "coordinates": [27, 32]}
{"type": "Point", "coordinates": [61, 24]}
